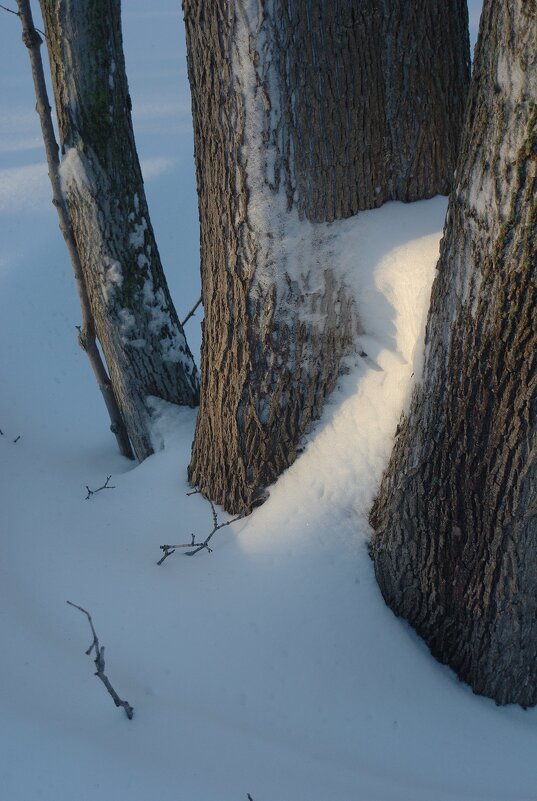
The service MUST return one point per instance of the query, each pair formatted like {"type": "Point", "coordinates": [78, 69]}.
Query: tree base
{"type": "Point", "coordinates": [495, 653]}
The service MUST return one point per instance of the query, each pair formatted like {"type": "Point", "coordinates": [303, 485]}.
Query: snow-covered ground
{"type": "Point", "coordinates": [270, 666]}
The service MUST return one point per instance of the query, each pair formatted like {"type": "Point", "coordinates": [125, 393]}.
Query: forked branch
{"type": "Point", "coordinates": [99, 664]}
{"type": "Point", "coordinates": [106, 485]}
{"type": "Point", "coordinates": [193, 546]}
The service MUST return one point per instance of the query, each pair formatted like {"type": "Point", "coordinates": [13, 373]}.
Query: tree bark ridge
{"type": "Point", "coordinates": [137, 325]}
{"type": "Point", "coordinates": [87, 337]}
{"type": "Point", "coordinates": [291, 134]}
{"type": "Point", "coordinates": [455, 520]}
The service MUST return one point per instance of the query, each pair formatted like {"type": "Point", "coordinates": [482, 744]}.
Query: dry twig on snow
{"type": "Point", "coordinates": [106, 485]}
{"type": "Point", "coordinates": [196, 547]}
{"type": "Point", "coordinates": [99, 664]}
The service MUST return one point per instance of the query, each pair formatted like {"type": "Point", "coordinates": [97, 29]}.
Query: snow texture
{"type": "Point", "coordinates": [271, 666]}
{"type": "Point", "coordinates": [73, 171]}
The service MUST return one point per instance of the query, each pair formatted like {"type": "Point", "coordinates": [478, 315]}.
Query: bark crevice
{"type": "Point", "coordinates": [136, 322]}
{"type": "Point", "coordinates": [454, 532]}
{"type": "Point", "coordinates": [291, 134]}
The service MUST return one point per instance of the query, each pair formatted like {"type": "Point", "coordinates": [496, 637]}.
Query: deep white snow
{"type": "Point", "coordinates": [270, 666]}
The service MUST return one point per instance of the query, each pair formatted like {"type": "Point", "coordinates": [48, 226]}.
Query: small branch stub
{"type": "Point", "coordinates": [191, 312]}
{"type": "Point", "coordinates": [99, 664]}
{"type": "Point", "coordinates": [17, 14]}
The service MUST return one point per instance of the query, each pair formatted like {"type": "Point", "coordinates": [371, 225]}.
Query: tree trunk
{"type": "Point", "coordinates": [137, 325]}
{"type": "Point", "coordinates": [87, 336]}
{"type": "Point", "coordinates": [455, 540]}
{"type": "Point", "coordinates": [304, 113]}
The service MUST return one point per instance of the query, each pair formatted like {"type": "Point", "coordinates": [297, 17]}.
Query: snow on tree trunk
{"type": "Point", "coordinates": [455, 540]}
{"type": "Point", "coordinates": [304, 113]}
{"type": "Point", "coordinates": [136, 322]}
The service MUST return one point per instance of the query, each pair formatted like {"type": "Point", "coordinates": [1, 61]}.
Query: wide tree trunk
{"type": "Point", "coordinates": [136, 322]}
{"type": "Point", "coordinates": [304, 113]}
{"type": "Point", "coordinates": [455, 521]}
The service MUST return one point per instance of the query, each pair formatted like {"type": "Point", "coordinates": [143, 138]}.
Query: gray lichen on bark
{"type": "Point", "coordinates": [455, 521]}
{"type": "Point", "coordinates": [136, 322]}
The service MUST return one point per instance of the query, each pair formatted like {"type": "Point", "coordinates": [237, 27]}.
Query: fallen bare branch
{"type": "Point", "coordinates": [196, 547]}
{"type": "Point", "coordinates": [191, 313]}
{"type": "Point", "coordinates": [99, 664]}
{"type": "Point", "coordinates": [106, 485]}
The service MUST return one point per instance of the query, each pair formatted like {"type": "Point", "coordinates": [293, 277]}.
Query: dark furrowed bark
{"type": "Point", "coordinates": [292, 131]}
{"type": "Point", "coordinates": [87, 334]}
{"type": "Point", "coordinates": [372, 100]}
{"type": "Point", "coordinates": [137, 325]}
{"type": "Point", "coordinates": [456, 518]}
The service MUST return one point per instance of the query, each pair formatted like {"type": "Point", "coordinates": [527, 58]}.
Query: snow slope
{"type": "Point", "coordinates": [270, 666]}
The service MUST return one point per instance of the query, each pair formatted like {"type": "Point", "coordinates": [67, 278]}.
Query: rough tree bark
{"type": "Point", "coordinates": [33, 42]}
{"type": "Point", "coordinates": [304, 113]}
{"type": "Point", "coordinates": [455, 521]}
{"type": "Point", "coordinates": [137, 325]}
